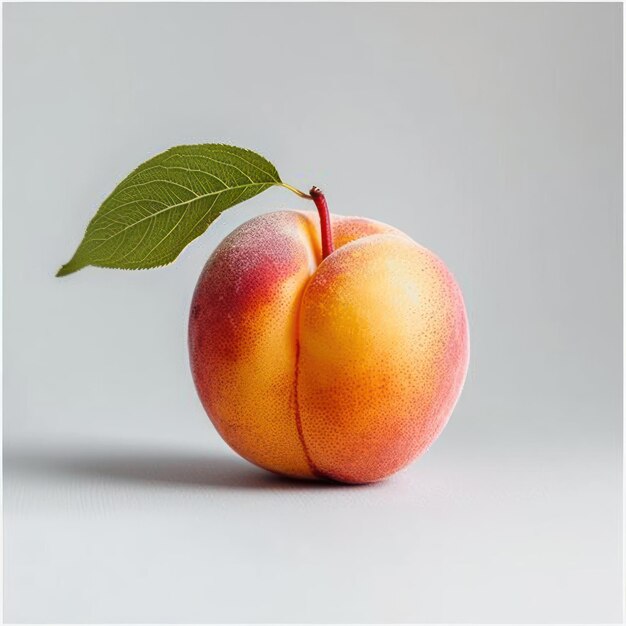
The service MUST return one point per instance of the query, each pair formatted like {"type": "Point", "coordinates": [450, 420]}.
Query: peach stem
{"type": "Point", "coordinates": [322, 208]}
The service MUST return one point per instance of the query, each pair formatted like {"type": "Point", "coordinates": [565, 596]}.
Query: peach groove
{"type": "Point", "coordinates": [312, 467]}
{"type": "Point", "coordinates": [314, 470]}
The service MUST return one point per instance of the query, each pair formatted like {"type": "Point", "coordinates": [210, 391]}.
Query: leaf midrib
{"type": "Point", "coordinates": [174, 206]}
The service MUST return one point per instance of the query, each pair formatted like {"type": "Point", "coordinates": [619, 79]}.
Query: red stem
{"type": "Point", "coordinates": [322, 209]}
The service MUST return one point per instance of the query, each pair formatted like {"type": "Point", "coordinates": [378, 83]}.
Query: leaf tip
{"type": "Point", "coordinates": [68, 268]}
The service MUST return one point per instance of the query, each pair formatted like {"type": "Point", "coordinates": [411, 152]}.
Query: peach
{"type": "Point", "coordinates": [343, 368]}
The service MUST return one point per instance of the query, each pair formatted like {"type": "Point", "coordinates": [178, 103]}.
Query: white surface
{"type": "Point", "coordinates": [160, 531]}
{"type": "Point", "coordinates": [490, 133]}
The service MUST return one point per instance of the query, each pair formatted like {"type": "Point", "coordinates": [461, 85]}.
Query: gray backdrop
{"type": "Point", "coordinates": [489, 133]}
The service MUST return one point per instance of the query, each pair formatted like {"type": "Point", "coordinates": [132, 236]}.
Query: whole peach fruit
{"type": "Point", "coordinates": [345, 367]}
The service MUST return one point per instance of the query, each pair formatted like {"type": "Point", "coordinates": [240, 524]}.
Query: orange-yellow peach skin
{"type": "Point", "coordinates": [346, 368]}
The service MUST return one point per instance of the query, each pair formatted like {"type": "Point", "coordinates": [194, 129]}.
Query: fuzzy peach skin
{"type": "Point", "coordinates": [344, 369]}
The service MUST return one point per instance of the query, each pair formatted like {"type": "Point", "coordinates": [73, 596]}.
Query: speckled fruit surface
{"type": "Point", "coordinates": [345, 368]}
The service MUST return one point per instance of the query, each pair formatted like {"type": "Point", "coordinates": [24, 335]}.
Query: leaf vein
{"type": "Point", "coordinates": [174, 206]}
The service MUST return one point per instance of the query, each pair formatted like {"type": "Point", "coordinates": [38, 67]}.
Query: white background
{"type": "Point", "coordinates": [489, 133]}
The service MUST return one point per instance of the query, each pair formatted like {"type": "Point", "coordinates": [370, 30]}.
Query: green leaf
{"type": "Point", "coordinates": [167, 202]}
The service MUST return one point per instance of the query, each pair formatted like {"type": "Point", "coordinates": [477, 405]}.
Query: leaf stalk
{"type": "Point", "coordinates": [297, 191]}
